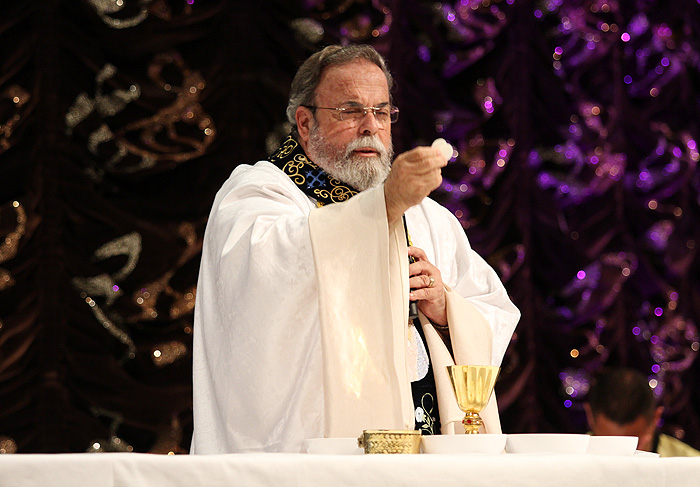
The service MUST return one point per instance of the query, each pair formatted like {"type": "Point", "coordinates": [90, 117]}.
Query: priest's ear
{"type": "Point", "coordinates": [304, 118]}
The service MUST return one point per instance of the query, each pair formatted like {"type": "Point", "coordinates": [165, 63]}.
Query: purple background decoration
{"type": "Point", "coordinates": [575, 175]}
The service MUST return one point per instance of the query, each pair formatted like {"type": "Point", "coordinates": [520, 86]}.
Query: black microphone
{"type": "Point", "coordinates": [412, 305]}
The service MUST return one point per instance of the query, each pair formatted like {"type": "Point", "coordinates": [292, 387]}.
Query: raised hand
{"type": "Point", "coordinates": [414, 175]}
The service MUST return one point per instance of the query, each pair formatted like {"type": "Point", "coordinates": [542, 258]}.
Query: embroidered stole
{"type": "Point", "coordinates": [310, 178]}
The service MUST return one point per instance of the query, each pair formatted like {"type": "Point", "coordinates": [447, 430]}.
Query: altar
{"type": "Point", "coordinates": [310, 470]}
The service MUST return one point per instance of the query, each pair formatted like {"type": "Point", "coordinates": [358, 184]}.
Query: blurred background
{"type": "Point", "coordinates": [576, 126]}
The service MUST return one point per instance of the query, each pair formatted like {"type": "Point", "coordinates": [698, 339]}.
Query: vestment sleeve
{"type": "Point", "coordinates": [256, 382]}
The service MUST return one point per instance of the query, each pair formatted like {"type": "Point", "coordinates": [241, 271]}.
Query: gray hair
{"type": "Point", "coordinates": [308, 77]}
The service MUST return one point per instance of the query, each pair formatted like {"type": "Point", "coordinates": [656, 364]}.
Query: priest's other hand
{"type": "Point", "coordinates": [427, 287]}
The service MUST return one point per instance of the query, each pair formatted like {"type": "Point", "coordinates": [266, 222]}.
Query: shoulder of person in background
{"type": "Point", "coordinates": [673, 447]}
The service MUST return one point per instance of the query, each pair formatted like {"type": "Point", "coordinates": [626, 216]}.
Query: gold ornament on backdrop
{"type": "Point", "coordinates": [166, 353]}
{"type": "Point", "coordinates": [175, 133]}
{"type": "Point", "coordinates": [180, 131]}
{"type": "Point", "coordinates": [7, 445]}
{"type": "Point", "coordinates": [147, 296]}
{"type": "Point", "coordinates": [18, 97]}
{"type": "Point", "coordinates": [10, 244]}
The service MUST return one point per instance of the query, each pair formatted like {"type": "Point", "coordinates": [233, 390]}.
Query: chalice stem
{"type": "Point", "coordinates": [472, 422]}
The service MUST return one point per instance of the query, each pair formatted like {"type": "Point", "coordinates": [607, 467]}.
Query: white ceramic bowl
{"type": "Point", "coordinates": [460, 444]}
{"type": "Point", "coordinates": [612, 445]}
{"type": "Point", "coordinates": [547, 443]}
{"type": "Point", "coordinates": [332, 446]}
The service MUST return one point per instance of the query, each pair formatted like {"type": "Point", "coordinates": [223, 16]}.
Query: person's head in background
{"type": "Point", "coordinates": [621, 403]}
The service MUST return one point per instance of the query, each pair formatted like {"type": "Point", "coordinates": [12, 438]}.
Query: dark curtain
{"type": "Point", "coordinates": [576, 125]}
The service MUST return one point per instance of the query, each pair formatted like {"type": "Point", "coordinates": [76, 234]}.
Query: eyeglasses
{"type": "Point", "coordinates": [384, 115]}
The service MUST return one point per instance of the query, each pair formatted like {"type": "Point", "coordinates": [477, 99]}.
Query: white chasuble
{"type": "Point", "coordinates": [301, 315]}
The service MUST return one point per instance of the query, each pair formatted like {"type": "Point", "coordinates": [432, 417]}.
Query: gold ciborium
{"type": "Point", "coordinates": [472, 385]}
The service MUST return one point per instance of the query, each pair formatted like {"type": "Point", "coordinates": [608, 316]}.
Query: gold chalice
{"type": "Point", "coordinates": [472, 385]}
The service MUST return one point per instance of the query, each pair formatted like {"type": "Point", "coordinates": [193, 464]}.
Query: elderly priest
{"type": "Point", "coordinates": [303, 322]}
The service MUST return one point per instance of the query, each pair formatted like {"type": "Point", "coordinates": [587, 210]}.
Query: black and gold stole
{"type": "Point", "coordinates": [311, 179]}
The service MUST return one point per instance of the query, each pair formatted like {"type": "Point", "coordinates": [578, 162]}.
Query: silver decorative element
{"type": "Point", "coordinates": [309, 29]}
{"type": "Point", "coordinates": [99, 136]}
{"type": "Point", "coordinates": [105, 285]}
{"type": "Point", "coordinates": [104, 105]}
{"type": "Point", "coordinates": [113, 443]}
{"type": "Point", "coordinates": [105, 8]}
{"type": "Point", "coordinates": [82, 107]}
{"type": "Point", "coordinates": [129, 245]}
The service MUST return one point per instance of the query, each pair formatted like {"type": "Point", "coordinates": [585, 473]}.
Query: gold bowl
{"type": "Point", "coordinates": [390, 441]}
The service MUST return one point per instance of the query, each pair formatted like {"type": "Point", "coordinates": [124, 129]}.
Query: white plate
{"type": "Point", "coordinates": [332, 446]}
{"type": "Point", "coordinates": [612, 445]}
{"type": "Point", "coordinates": [546, 443]}
{"type": "Point", "coordinates": [481, 443]}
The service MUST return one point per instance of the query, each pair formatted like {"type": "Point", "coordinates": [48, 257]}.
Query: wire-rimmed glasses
{"type": "Point", "coordinates": [385, 114]}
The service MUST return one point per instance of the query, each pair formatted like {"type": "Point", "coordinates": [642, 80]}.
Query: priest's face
{"type": "Point", "coordinates": [354, 148]}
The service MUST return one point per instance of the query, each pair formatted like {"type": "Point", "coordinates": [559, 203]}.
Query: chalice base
{"type": "Point", "coordinates": [472, 422]}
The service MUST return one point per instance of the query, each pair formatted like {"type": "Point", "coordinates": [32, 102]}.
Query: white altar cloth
{"type": "Point", "coordinates": [282, 469]}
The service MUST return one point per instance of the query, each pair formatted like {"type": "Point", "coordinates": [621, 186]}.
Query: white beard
{"type": "Point", "coordinates": [360, 172]}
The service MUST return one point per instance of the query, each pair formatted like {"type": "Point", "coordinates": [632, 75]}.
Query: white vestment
{"type": "Point", "coordinates": [301, 316]}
